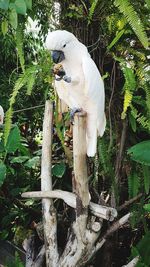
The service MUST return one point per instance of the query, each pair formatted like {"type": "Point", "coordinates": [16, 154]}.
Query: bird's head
{"type": "Point", "coordinates": [60, 43]}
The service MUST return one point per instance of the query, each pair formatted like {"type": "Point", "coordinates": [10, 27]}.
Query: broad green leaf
{"type": "Point", "coordinates": [19, 159]}
{"type": "Point", "coordinates": [13, 142]}
{"type": "Point", "coordinates": [58, 170]}
{"type": "Point", "coordinates": [29, 4]}
{"type": "Point", "coordinates": [2, 172]}
{"type": "Point", "coordinates": [4, 4]}
{"type": "Point", "coordinates": [4, 26]}
{"type": "Point", "coordinates": [147, 207]}
{"type": "Point", "coordinates": [20, 7]}
{"type": "Point", "coordinates": [144, 248]}
{"type": "Point", "coordinates": [13, 18]}
{"type": "Point", "coordinates": [32, 163]}
{"type": "Point", "coordinates": [141, 152]}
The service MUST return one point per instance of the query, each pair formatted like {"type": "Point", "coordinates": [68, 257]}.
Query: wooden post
{"type": "Point", "coordinates": [49, 213]}
{"type": "Point", "coordinates": [80, 177]}
{"type": "Point", "coordinates": [80, 166]}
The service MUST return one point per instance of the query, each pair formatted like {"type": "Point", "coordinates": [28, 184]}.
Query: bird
{"type": "Point", "coordinates": [80, 85]}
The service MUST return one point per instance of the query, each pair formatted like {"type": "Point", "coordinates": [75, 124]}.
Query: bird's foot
{"type": "Point", "coordinates": [67, 79]}
{"type": "Point", "coordinates": [72, 113]}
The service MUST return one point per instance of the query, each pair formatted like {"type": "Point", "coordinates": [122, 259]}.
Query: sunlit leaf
{"type": "Point", "coordinates": [4, 26]}
{"type": "Point", "coordinates": [13, 18]}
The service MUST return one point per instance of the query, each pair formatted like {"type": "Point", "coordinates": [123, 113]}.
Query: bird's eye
{"type": "Point", "coordinates": [64, 45]}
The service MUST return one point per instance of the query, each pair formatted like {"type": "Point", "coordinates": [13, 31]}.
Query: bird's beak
{"type": "Point", "coordinates": [58, 56]}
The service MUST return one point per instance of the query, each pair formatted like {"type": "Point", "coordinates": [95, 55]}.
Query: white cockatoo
{"type": "Point", "coordinates": [1, 115]}
{"type": "Point", "coordinates": [81, 87]}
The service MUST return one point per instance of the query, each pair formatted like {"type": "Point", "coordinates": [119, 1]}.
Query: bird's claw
{"type": "Point", "coordinates": [72, 113]}
{"type": "Point", "coordinates": [67, 79]}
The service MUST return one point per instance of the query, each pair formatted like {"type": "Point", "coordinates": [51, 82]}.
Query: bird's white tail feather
{"type": "Point", "coordinates": [93, 130]}
{"type": "Point", "coordinates": [92, 144]}
{"type": "Point", "coordinates": [101, 126]}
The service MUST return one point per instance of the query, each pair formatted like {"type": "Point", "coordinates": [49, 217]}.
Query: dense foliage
{"type": "Point", "coordinates": [116, 34]}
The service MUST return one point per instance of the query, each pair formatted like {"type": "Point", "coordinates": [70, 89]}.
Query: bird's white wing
{"type": "Point", "coordinates": [94, 90]}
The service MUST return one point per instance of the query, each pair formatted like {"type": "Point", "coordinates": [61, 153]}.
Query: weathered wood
{"type": "Point", "coordinates": [80, 165]}
{"type": "Point", "coordinates": [49, 213]}
{"type": "Point", "coordinates": [133, 262]}
{"type": "Point", "coordinates": [69, 198]}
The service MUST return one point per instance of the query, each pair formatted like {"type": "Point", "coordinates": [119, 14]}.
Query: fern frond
{"type": "Point", "coordinates": [127, 9]}
{"type": "Point", "coordinates": [92, 10]}
{"type": "Point", "coordinates": [129, 76]}
{"type": "Point", "coordinates": [134, 112]}
{"type": "Point", "coordinates": [129, 87]}
{"type": "Point", "coordinates": [147, 90]}
{"type": "Point", "coordinates": [133, 185]}
{"type": "Point", "coordinates": [143, 121]}
{"type": "Point", "coordinates": [25, 78]}
{"type": "Point", "coordinates": [19, 45]}
{"type": "Point", "coordinates": [146, 175]}
{"type": "Point", "coordinates": [18, 85]}
{"type": "Point", "coordinates": [127, 101]}
{"type": "Point", "coordinates": [30, 83]}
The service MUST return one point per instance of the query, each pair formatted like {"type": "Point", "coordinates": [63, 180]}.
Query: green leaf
{"type": "Point", "coordinates": [19, 159]}
{"type": "Point", "coordinates": [58, 170]}
{"type": "Point", "coordinates": [132, 122]}
{"type": "Point", "coordinates": [32, 163]}
{"type": "Point", "coordinates": [13, 141]}
{"type": "Point", "coordinates": [29, 4]}
{"type": "Point", "coordinates": [13, 18]}
{"type": "Point", "coordinates": [147, 207]}
{"type": "Point", "coordinates": [141, 152]}
{"type": "Point", "coordinates": [4, 26]}
{"type": "Point", "coordinates": [116, 39]}
{"type": "Point", "coordinates": [4, 4]}
{"type": "Point", "coordinates": [2, 172]}
{"type": "Point", "coordinates": [133, 184]}
{"type": "Point", "coordinates": [144, 248]}
{"type": "Point", "coordinates": [21, 7]}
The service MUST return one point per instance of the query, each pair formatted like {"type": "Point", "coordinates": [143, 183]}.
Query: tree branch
{"type": "Point", "coordinates": [69, 198]}
{"type": "Point", "coordinates": [49, 213]}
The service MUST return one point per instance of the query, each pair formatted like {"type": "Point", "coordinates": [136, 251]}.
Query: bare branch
{"type": "Point", "coordinates": [69, 198]}
{"type": "Point", "coordinates": [49, 213]}
{"type": "Point", "coordinates": [132, 263]}
{"type": "Point", "coordinates": [129, 202]}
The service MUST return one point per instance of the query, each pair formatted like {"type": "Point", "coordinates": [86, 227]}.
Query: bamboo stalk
{"type": "Point", "coordinates": [49, 213]}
